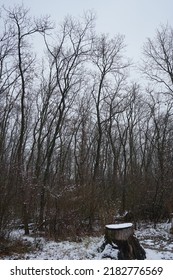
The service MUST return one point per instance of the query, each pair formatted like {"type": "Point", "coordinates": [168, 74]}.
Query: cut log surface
{"type": "Point", "coordinates": [119, 231]}
{"type": "Point", "coordinates": [119, 226]}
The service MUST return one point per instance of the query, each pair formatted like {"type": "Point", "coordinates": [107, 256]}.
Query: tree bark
{"type": "Point", "coordinates": [171, 219]}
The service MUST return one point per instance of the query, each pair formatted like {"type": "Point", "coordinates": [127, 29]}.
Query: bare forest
{"type": "Point", "coordinates": [80, 141]}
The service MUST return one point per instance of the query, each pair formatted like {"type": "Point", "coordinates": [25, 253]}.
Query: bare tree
{"type": "Point", "coordinates": [158, 59]}
{"type": "Point", "coordinates": [158, 68]}
{"type": "Point", "coordinates": [109, 70]}
{"type": "Point", "coordinates": [22, 27]}
{"type": "Point", "coordinates": [66, 55]}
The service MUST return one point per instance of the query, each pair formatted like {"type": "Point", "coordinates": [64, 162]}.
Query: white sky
{"type": "Point", "coordinates": [136, 19]}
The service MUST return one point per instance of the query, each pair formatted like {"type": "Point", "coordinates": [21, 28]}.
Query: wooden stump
{"type": "Point", "coordinates": [171, 219]}
{"type": "Point", "coordinates": [121, 237]}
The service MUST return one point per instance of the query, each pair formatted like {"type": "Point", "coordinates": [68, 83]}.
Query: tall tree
{"type": "Point", "coordinates": [67, 58]}
{"type": "Point", "coordinates": [22, 28]}
{"type": "Point", "coordinates": [158, 59]}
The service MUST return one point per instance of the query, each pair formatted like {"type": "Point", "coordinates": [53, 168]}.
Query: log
{"type": "Point", "coordinates": [121, 237]}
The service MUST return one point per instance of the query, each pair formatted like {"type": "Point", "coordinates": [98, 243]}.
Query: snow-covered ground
{"type": "Point", "coordinates": [158, 244]}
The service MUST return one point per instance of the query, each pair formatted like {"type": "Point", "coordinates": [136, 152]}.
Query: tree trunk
{"type": "Point", "coordinates": [25, 219]}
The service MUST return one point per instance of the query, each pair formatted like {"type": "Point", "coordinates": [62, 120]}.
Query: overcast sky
{"type": "Point", "coordinates": [136, 19]}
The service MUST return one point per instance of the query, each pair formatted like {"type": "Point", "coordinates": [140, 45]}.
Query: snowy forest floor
{"type": "Point", "coordinates": [158, 244]}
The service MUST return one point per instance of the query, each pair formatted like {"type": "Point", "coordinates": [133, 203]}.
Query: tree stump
{"type": "Point", "coordinates": [171, 219]}
{"type": "Point", "coordinates": [121, 237]}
